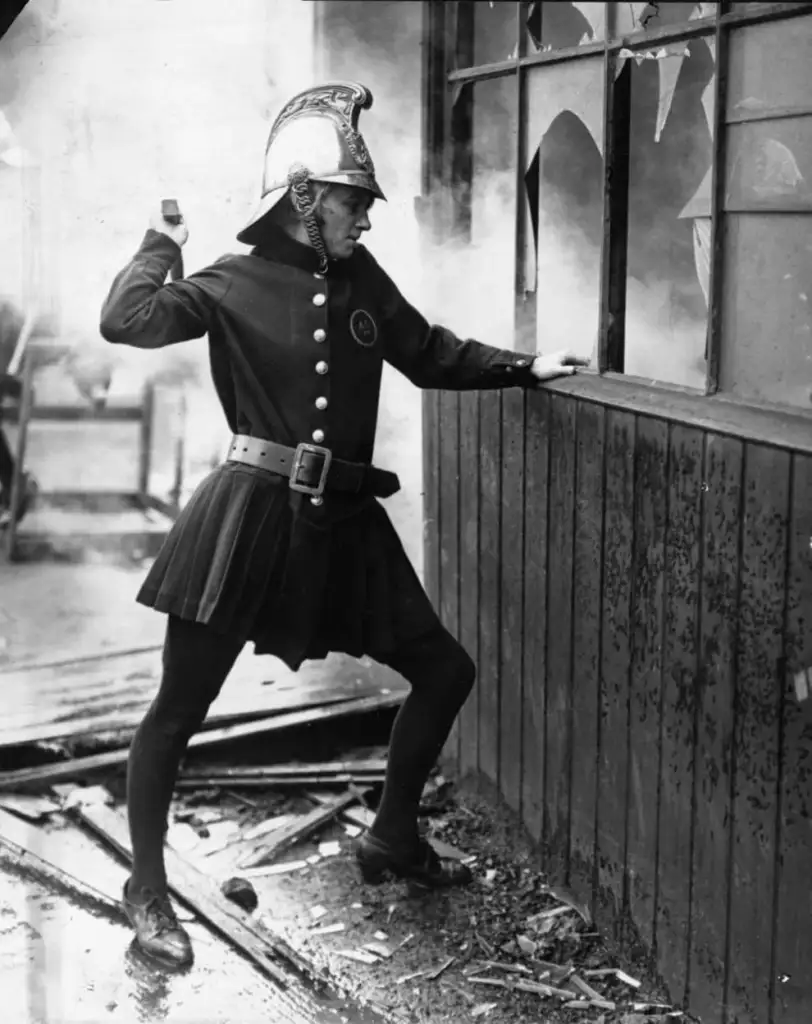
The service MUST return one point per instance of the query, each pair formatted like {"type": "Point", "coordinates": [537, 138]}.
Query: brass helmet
{"type": "Point", "coordinates": [315, 138]}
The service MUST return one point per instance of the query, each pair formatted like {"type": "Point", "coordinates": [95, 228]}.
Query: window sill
{"type": "Point", "coordinates": [788, 429]}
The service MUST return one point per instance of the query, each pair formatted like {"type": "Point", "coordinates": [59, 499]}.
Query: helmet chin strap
{"type": "Point", "coordinates": [302, 200]}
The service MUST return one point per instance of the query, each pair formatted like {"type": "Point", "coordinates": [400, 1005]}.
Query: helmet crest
{"type": "Point", "coordinates": [315, 138]}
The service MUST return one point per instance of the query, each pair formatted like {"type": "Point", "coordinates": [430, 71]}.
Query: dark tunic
{"type": "Point", "coordinates": [248, 555]}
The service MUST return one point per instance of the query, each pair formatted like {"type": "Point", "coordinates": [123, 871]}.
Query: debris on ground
{"type": "Point", "coordinates": [261, 853]}
{"type": "Point", "coordinates": [241, 892]}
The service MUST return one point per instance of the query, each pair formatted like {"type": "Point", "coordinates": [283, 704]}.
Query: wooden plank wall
{"type": "Point", "coordinates": [638, 596]}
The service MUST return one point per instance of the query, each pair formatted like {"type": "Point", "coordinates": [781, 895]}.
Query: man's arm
{"type": "Point", "coordinates": [434, 357]}
{"type": "Point", "coordinates": [142, 311]}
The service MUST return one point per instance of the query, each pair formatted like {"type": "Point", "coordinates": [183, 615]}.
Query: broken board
{"type": "Point", "coordinates": [81, 765]}
{"type": "Point", "coordinates": [111, 692]}
{"type": "Point", "coordinates": [201, 894]}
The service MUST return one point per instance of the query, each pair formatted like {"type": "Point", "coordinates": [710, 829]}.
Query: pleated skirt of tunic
{"type": "Point", "coordinates": [254, 560]}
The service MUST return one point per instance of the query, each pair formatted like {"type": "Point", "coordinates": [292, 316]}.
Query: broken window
{"type": "Point", "coordinates": [564, 190]}
{"type": "Point", "coordinates": [623, 184]}
{"type": "Point", "coordinates": [493, 31]}
{"type": "Point", "coordinates": [559, 26]}
{"type": "Point", "coordinates": [627, 19]}
{"type": "Point", "coordinates": [482, 261]}
{"type": "Point", "coordinates": [668, 249]}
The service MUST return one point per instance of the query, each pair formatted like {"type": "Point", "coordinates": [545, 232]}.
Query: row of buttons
{"type": "Point", "coordinates": [319, 336]}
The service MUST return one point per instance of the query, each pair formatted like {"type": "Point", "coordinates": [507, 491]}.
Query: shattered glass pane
{"type": "Point", "coordinates": [649, 17]}
{"type": "Point", "coordinates": [495, 31]}
{"type": "Point", "coordinates": [558, 26]}
{"type": "Point", "coordinates": [478, 291]}
{"type": "Point", "coordinates": [670, 172]}
{"type": "Point", "coordinates": [564, 204]}
{"type": "Point", "coordinates": [766, 349]}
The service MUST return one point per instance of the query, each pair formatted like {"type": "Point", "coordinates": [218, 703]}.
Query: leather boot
{"type": "Point", "coordinates": [157, 930]}
{"type": "Point", "coordinates": [420, 864]}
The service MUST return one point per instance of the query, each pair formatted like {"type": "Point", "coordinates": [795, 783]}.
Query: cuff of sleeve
{"type": "Point", "coordinates": [517, 370]}
{"type": "Point", "coordinates": [156, 243]}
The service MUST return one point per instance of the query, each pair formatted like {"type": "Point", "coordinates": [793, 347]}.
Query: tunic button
{"type": "Point", "coordinates": [319, 300]}
{"type": "Point", "coordinates": [321, 366]}
{"type": "Point", "coordinates": [318, 436]}
{"type": "Point", "coordinates": [321, 403]}
{"type": "Point", "coordinates": [319, 335]}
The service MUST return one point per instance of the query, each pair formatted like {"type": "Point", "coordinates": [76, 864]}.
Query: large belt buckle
{"type": "Point", "coordinates": [310, 449]}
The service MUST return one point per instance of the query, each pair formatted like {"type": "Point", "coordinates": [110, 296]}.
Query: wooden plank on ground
{"type": "Point", "coordinates": [490, 623]}
{"type": "Point", "coordinates": [80, 765]}
{"type": "Point", "coordinates": [450, 533]}
{"type": "Point", "coordinates": [298, 830]}
{"type": "Point", "coordinates": [369, 765]}
{"type": "Point", "coordinates": [680, 684]}
{"type": "Point", "coordinates": [201, 894]}
{"type": "Point", "coordinates": [651, 501]}
{"type": "Point", "coordinates": [793, 934]}
{"type": "Point", "coordinates": [27, 847]}
{"type": "Point", "coordinates": [537, 452]}
{"type": "Point", "coordinates": [511, 599]}
{"type": "Point", "coordinates": [112, 693]}
{"type": "Point", "coordinates": [759, 694]}
{"type": "Point", "coordinates": [469, 570]}
{"type": "Point", "coordinates": [558, 766]}
{"type": "Point", "coordinates": [615, 662]}
{"type": "Point", "coordinates": [721, 526]}
{"type": "Point", "coordinates": [278, 782]}
{"type": "Point", "coordinates": [587, 589]}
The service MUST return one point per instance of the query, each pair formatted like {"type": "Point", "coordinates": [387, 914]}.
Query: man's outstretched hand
{"type": "Point", "coordinates": [557, 364]}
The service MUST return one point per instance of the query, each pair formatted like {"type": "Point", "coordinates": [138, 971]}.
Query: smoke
{"type": "Point", "coordinates": [125, 104]}
{"type": "Point", "coordinates": [122, 105]}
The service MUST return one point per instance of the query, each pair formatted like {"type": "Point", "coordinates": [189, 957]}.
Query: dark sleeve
{"type": "Point", "coordinates": [141, 310]}
{"type": "Point", "coordinates": [434, 357]}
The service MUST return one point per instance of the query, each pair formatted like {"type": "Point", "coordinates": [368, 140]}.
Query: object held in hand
{"type": "Point", "coordinates": [170, 211]}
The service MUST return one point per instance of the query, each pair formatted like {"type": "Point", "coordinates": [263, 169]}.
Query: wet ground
{"type": "Point", "coordinates": [65, 960]}
{"type": "Point", "coordinates": [61, 963]}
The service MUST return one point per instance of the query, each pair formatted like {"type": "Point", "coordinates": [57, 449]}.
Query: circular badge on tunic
{"type": "Point", "coordinates": [363, 328]}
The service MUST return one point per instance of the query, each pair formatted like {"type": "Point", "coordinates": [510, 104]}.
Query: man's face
{"type": "Point", "coordinates": [343, 216]}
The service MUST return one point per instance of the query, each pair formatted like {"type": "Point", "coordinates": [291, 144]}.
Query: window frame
{"type": "Point", "coordinates": [446, 83]}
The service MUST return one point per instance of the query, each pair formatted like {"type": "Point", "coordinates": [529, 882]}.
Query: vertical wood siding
{"type": "Point", "coordinates": [638, 597]}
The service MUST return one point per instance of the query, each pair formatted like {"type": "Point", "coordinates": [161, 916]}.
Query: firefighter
{"type": "Point", "coordinates": [285, 544]}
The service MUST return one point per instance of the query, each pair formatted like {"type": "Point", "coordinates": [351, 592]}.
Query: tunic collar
{"type": "Point", "coordinates": [279, 247]}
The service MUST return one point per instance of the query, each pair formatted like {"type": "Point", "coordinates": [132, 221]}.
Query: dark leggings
{"type": "Point", "coordinates": [6, 464]}
{"type": "Point", "coordinates": [196, 661]}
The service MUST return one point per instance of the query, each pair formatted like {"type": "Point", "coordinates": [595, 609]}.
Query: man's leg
{"type": "Point", "coordinates": [441, 675]}
{"type": "Point", "coordinates": [196, 661]}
